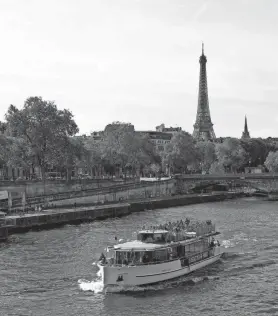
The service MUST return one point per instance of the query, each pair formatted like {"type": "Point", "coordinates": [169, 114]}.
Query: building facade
{"type": "Point", "coordinates": [162, 136]}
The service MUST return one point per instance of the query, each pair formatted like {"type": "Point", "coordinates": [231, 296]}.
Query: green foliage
{"type": "Point", "coordinates": [14, 152]}
{"type": "Point", "coordinates": [206, 154]}
{"type": "Point", "coordinates": [3, 127]}
{"type": "Point", "coordinates": [271, 161]}
{"type": "Point", "coordinates": [125, 149]}
{"type": "Point", "coordinates": [231, 155]}
{"type": "Point", "coordinates": [180, 153]}
{"type": "Point", "coordinates": [44, 128]}
{"type": "Point", "coordinates": [257, 150]}
{"type": "Point", "coordinates": [216, 168]}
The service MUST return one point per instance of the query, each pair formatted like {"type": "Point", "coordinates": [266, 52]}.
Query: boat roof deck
{"type": "Point", "coordinates": [138, 245]}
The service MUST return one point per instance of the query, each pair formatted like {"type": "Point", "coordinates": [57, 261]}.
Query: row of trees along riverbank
{"type": "Point", "coordinates": [40, 135]}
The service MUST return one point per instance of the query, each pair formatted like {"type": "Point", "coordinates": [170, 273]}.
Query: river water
{"type": "Point", "coordinates": [52, 272]}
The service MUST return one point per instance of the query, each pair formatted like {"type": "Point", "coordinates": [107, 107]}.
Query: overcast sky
{"type": "Point", "coordinates": [138, 61]}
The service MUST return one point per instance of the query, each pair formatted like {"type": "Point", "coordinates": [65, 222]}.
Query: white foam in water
{"type": "Point", "coordinates": [197, 279]}
{"type": "Point", "coordinates": [227, 244]}
{"type": "Point", "coordinates": [241, 237]}
{"type": "Point", "coordinates": [94, 286]}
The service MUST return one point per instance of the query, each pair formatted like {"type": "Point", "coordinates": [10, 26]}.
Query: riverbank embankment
{"type": "Point", "coordinates": [57, 217]}
{"type": "Point", "coordinates": [103, 195]}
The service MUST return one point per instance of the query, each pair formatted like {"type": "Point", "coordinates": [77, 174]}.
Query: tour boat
{"type": "Point", "coordinates": [160, 253]}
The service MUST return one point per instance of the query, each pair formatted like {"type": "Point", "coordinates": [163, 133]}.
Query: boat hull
{"type": "Point", "coordinates": [149, 274]}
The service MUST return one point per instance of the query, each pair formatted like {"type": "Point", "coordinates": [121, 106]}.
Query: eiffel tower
{"type": "Point", "coordinates": [203, 127]}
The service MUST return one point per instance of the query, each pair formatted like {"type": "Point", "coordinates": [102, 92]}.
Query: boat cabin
{"type": "Point", "coordinates": [140, 253]}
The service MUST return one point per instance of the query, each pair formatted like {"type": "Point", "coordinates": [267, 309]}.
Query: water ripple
{"type": "Point", "coordinates": [51, 272]}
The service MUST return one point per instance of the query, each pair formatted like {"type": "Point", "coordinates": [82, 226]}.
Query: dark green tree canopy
{"type": "Point", "coordinates": [42, 126]}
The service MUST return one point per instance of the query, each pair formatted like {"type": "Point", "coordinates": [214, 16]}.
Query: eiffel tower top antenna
{"type": "Point", "coordinates": [202, 48]}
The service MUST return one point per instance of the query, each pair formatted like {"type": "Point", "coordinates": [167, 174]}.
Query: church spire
{"type": "Point", "coordinates": [245, 133]}
{"type": "Point", "coordinates": [245, 125]}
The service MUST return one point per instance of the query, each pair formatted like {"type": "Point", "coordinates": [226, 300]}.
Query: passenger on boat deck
{"type": "Point", "coordinates": [212, 243]}
{"type": "Point", "coordinates": [125, 262]}
{"type": "Point", "coordinates": [181, 225]}
{"type": "Point", "coordinates": [102, 258]}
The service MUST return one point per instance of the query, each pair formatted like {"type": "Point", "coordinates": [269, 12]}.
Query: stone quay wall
{"type": "Point", "coordinates": [53, 218]}
{"type": "Point", "coordinates": [52, 187]}
{"type": "Point", "coordinates": [122, 194]}
{"type": "Point", "coordinates": [109, 194]}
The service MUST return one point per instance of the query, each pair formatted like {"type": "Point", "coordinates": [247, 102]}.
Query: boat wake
{"type": "Point", "coordinates": [97, 286]}
{"type": "Point", "coordinates": [93, 286]}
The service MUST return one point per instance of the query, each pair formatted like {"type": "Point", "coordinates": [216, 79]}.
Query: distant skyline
{"type": "Point", "coordinates": [137, 61]}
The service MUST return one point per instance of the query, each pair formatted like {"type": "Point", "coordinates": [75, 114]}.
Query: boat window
{"type": "Point", "coordinates": [136, 257]}
{"type": "Point", "coordinates": [160, 255]}
{"type": "Point", "coordinates": [146, 237]}
{"type": "Point", "coordinates": [147, 257]}
{"type": "Point", "coordinates": [199, 246]}
{"type": "Point", "coordinates": [186, 248]}
{"type": "Point", "coordinates": [173, 252]}
{"type": "Point", "coordinates": [191, 248]}
{"type": "Point", "coordinates": [180, 251]}
{"type": "Point", "coordinates": [124, 257]}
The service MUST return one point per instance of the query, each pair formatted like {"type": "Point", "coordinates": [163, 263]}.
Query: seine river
{"type": "Point", "coordinates": [52, 272]}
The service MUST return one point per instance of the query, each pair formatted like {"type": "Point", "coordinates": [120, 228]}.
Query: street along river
{"type": "Point", "coordinates": [51, 272]}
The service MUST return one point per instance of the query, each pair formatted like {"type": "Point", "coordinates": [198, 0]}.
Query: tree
{"type": "Point", "coordinates": [19, 153]}
{"type": "Point", "coordinates": [94, 161]}
{"type": "Point", "coordinates": [68, 154]}
{"type": "Point", "coordinates": [256, 149]}
{"type": "Point", "coordinates": [118, 145]}
{"type": "Point", "coordinates": [3, 127]}
{"type": "Point", "coordinates": [216, 168]}
{"type": "Point", "coordinates": [206, 154]}
{"type": "Point", "coordinates": [146, 155]}
{"type": "Point", "coordinates": [271, 161]}
{"type": "Point", "coordinates": [14, 153]}
{"type": "Point", "coordinates": [230, 154]}
{"type": "Point", "coordinates": [43, 127]}
{"type": "Point", "coordinates": [179, 153]}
